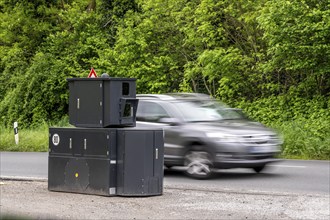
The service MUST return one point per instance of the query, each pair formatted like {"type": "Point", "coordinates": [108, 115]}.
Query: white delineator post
{"type": "Point", "coordinates": [16, 132]}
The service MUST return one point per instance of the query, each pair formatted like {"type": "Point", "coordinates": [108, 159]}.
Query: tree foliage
{"type": "Point", "coordinates": [268, 57]}
{"type": "Point", "coordinates": [298, 46]}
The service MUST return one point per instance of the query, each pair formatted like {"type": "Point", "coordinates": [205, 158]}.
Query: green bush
{"type": "Point", "coordinates": [303, 123]}
{"type": "Point", "coordinates": [30, 139]}
{"type": "Point", "coordinates": [305, 139]}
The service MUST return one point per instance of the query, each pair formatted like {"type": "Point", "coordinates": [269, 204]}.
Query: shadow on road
{"type": "Point", "coordinates": [226, 174]}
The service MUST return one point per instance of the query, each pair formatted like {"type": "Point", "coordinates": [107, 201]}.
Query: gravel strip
{"type": "Point", "coordinates": [32, 200]}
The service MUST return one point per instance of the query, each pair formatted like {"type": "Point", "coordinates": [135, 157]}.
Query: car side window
{"type": "Point", "coordinates": [150, 111]}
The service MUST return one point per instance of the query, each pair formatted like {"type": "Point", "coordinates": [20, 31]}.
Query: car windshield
{"type": "Point", "coordinates": [196, 111]}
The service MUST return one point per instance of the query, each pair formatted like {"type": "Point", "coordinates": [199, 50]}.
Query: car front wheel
{"type": "Point", "coordinates": [198, 164]}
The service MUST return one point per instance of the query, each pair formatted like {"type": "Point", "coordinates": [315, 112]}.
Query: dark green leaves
{"type": "Point", "coordinates": [242, 52]}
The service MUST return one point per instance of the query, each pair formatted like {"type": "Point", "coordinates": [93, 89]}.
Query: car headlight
{"type": "Point", "coordinates": [223, 137]}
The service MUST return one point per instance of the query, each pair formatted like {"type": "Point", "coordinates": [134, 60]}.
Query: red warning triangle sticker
{"type": "Point", "coordinates": [92, 74]}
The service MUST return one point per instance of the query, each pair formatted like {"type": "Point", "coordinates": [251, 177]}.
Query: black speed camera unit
{"type": "Point", "coordinates": [105, 154]}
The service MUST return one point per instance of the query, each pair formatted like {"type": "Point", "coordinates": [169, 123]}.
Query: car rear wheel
{"type": "Point", "coordinates": [198, 164]}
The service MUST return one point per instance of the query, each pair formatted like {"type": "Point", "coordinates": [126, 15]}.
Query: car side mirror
{"type": "Point", "coordinates": [170, 121]}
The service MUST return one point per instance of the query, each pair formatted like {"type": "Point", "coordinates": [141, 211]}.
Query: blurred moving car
{"type": "Point", "coordinates": [202, 134]}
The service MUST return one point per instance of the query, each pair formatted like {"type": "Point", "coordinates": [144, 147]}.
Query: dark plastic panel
{"type": "Point", "coordinates": [81, 175]}
{"type": "Point", "coordinates": [139, 160]}
{"type": "Point", "coordinates": [106, 161]}
{"type": "Point", "coordinates": [102, 102]}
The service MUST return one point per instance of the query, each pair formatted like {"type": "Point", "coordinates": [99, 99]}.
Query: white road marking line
{"type": "Point", "coordinates": [289, 166]}
{"type": "Point", "coordinates": [23, 178]}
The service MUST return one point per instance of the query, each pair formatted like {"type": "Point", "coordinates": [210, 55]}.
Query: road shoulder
{"type": "Point", "coordinates": [31, 199]}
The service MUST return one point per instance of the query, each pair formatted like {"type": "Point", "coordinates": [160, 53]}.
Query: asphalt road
{"type": "Point", "coordinates": [288, 176]}
{"type": "Point", "coordinates": [291, 189]}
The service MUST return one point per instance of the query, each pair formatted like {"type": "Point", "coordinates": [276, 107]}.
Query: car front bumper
{"type": "Point", "coordinates": [250, 162]}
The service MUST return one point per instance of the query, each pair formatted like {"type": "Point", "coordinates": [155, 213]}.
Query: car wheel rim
{"type": "Point", "coordinates": [198, 164]}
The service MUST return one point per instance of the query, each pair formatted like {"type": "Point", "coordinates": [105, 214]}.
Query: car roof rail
{"type": "Point", "coordinates": [186, 95]}
{"type": "Point", "coordinates": [155, 96]}
{"type": "Point", "coordinates": [176, 96]}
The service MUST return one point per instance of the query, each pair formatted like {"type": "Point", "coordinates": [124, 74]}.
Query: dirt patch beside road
{"type": "Point", "coordinates": [31, 199]}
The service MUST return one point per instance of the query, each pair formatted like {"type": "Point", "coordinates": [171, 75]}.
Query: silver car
{"type": "Point", "coordinates": [203, 134]}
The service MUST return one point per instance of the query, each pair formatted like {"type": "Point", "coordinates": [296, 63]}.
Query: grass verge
{"type": "Point", "coordinates": [29, 139]}
{"type": "Point", "coordinates": [305, 140]}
